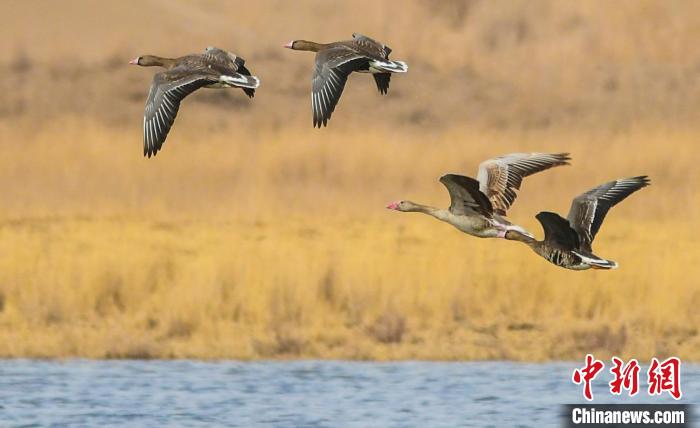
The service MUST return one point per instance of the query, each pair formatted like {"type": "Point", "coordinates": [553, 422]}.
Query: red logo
{"type": "Point", "coordinates": [626, 376]}
{"type": "Point", "coordinates": [587, 374]}
{"type": "Point", "coordinates": [664, 376]}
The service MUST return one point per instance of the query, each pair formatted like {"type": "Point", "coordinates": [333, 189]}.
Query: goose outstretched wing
{"type": "Point", "coordinates": [466, 198]}
{"type": "Point", "coordinates": [501, 177]}
{"type": "Point", "coordinates": [588, 210]}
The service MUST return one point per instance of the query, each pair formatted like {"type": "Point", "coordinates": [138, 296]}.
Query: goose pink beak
{"type": "Point", "coordinates": [134, 61]}
{"type": "Point", "coordinates": [393, 206]}
{"type": "Point", "coordinates": [289, 44]}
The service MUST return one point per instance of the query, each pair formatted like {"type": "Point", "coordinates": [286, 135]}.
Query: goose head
{"type": "Point", "coordinates": [405, 206]}
{"type": "Point", "coordinates": [147, 61]}
{"type": "Point", "coordinates": [303, 45]}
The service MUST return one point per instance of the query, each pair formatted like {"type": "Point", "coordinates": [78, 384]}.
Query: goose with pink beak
{"type": "Point", "coordinates": [478, 206]}
{"type": "Point", "coordinates": [214, 68]}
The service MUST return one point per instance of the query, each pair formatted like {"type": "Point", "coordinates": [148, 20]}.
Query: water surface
{"type": "Point", "coordinates": [301, 394]}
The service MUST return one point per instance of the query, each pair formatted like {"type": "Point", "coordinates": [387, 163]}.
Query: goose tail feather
{"type": "Point", "coordinates": [389, 66]}
{"type": "Point", "coordinates": [240, 81]}
{"type": "Point", "coordinates": [596, 262]}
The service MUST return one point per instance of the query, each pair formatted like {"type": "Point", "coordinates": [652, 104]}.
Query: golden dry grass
{"type": "Point", "coordinates": [253, 236]}
{"type": "Point", "coordinates": [282, 248]}
{"type": "Point", "coordinates": [504, 64]}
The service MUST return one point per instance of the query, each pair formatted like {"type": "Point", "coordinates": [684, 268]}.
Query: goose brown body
{"type": "Point", "coordinates": [567, 241]}
{"type": "Point", "coordinates": [214, 68]}
{"type": "Point", "coordinates": [478, 206]}
{"type": "Point", "coordinates": [334, 63]}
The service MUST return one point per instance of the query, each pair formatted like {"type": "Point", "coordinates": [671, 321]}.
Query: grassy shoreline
{"type": "Point", "coordinates": [134, 289]}
{"type": "Point", "coordinates": [279, 247]}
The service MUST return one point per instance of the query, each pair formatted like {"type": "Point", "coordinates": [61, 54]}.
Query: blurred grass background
{"type": "Point", "coordinates": [252, 235]}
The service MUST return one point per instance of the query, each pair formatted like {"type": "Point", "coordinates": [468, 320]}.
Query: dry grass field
{"type": "Point", "coordinates": [252, 235]}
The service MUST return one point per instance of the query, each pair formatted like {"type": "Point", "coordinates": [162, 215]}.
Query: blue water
{"type": "Point", "coordinates": [300, 394]}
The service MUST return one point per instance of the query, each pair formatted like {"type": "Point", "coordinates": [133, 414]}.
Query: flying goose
{"type": "Point", "coordinates": [567, 242]}
{"type": "Point", "coordinates": [478, 206]}
{"type": "Point", "coordinates": [336, 60]}
{"type": "Point", "coordinates": [215, 68]}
